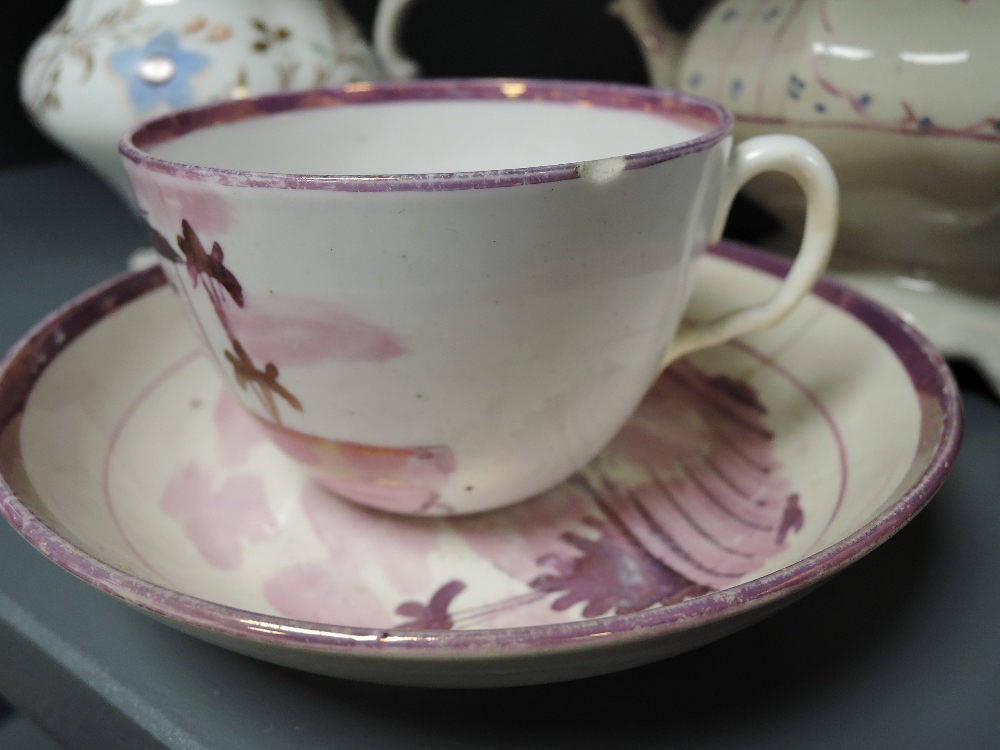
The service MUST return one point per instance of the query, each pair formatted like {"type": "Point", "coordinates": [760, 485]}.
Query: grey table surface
{"type": "Point", "coordinates": [901, 650]}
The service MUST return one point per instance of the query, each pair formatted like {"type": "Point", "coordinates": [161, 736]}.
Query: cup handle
{"type": "Point", "coordinates": [389, 19]}
{"type": "Point", "coordinates": [806, 164]}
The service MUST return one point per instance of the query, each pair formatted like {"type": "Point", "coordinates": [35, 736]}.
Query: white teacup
{"type": "Point", "coordinates": [446, 296]}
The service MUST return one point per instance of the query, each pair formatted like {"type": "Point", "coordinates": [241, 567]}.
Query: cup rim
{"type": "Point", "coordinates": [679, 106]}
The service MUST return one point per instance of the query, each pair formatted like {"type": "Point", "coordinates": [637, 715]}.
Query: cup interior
{"type": "Point", "coordinates": [432, 128]}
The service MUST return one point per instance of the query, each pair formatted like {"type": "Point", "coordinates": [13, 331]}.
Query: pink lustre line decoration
{"type": "Point", "coordinates": [779, 37]}
{"type": "Point", "coordinates": [911, 122]}
{"type": "Point", "coordinates": [130, 411]}
{"type": "Point", "coordinates": [824, 16]}
{"type": "Point", "coordinates": [712, 119]}
{"type": "Point", "coordinates": [824, 412]}
{"type": "Point", "coordinates": [976, 132]}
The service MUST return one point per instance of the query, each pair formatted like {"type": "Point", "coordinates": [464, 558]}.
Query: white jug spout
{"type": "Point", "coordinates": [661, 46]}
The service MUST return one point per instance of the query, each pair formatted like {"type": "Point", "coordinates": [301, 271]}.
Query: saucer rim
{"type": "Point", "coordinates": [626, 97]}
{"type": "Point", "coordinates": [24, 363]}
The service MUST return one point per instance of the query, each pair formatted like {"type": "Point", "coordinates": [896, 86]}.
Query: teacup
{"type": "Point", "coordinates": [447, 296]}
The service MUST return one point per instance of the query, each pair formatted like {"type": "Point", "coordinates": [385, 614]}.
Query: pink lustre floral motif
{"type": "Point", "coordinates": [687, 499]}
{"type": "Point", "coordinates": [219, 520]}
{"type": "Point", "coordinates": [356, 540]}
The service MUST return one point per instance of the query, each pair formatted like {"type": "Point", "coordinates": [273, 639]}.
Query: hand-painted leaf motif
{"type": "Point", "coordinates": [162, 246]}
{"type": "Point", "coordinates": [263, 382]}
{"type": "Point", "coordinates": [208, 264]}
{"type": "Point", "coordinates": [433, 615]}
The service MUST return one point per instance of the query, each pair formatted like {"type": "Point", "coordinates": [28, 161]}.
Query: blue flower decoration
{"type": "Point", "coordinates": [159, 72]}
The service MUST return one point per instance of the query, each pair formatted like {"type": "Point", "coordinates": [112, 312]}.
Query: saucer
{"type": "Point", "coordinates": [749, 474]}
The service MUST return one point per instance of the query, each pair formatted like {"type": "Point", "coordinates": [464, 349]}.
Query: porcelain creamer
{"type": "Point", "coordinates": [105, 65]}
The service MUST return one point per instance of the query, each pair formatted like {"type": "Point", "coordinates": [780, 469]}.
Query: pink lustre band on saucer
{"type": "Point", "coordinates": [715, 121]}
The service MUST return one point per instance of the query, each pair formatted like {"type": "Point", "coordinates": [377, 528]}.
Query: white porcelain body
{"type": "Point", "coordinates": [900, 95]}
{"type": "Point", "coordinates": [451, 343]}
{"type": "Point", "coordinates": [105, 65]}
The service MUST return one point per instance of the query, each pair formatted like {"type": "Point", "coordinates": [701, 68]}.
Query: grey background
{"type": "Point", "coordinates": [902, 650]}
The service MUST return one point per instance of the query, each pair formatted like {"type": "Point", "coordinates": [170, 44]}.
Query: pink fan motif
{"type": "Point", "coordinates": [713, 504]}
{"type": "Point", "coordinates": [687, 498]}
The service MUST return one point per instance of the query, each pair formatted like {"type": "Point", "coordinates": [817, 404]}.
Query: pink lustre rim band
{"type": "Point", "coordinates": [682, 108]}
{"type": "Point", "coordinates": [928, 372]}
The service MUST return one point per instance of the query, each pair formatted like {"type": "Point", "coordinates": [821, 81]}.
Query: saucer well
{"type": "Point", "coordinates": [749, 474]}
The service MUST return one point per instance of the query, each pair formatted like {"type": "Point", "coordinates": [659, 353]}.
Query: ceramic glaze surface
{"type": "Point", "coordinates": [105, 65]}
{"type": "Point", "coordinates": [749, 472]}
{"type": "Point", "coordinates": [424, 137]}
{"type": "Point", "coordinates": [900, 95]}
{"type": "Point", "coordinates": [451, 342]}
